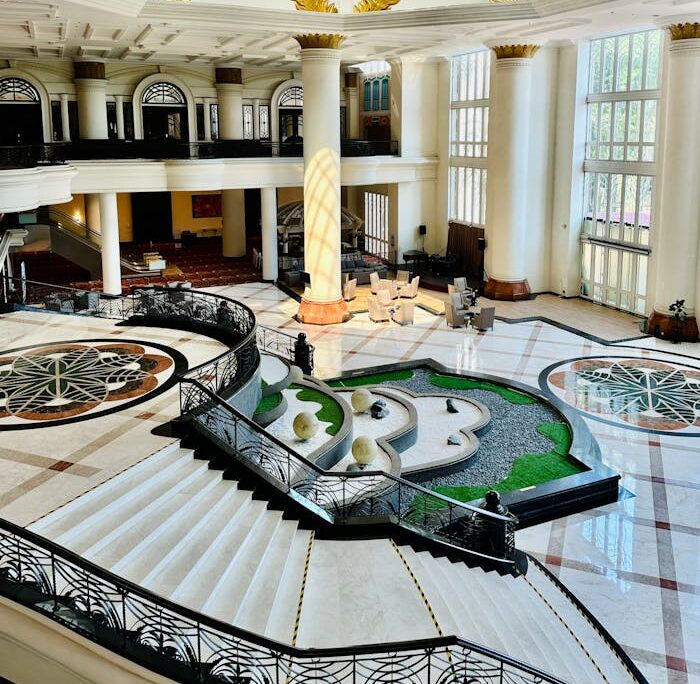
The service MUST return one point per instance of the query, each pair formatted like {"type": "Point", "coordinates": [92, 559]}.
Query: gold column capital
{"type": "Point", "coordinates": [515, 51]}
{"type": "Point", "coordinates": [320, 40]}
{"type": "Point", "coordinates": [684, 31]}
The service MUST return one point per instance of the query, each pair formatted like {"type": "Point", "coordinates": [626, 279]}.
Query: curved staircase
{"type": "Point", "coordinates": [179, 529]}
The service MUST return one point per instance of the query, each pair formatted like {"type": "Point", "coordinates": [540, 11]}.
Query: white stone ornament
{"type": "Point", "coordinates": [362, 400]}
{"type": "Point", "coordinates": [305, 425]}
{"type": "Point", "coordinates": [364, 450]}
{"type": "Point", "coordinates": [296, 374]}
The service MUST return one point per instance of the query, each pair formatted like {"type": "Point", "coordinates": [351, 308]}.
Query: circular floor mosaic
{"type": "Point", "coordinates": [55, 383]}
{"type": "Point", "coordinates": [643, 394]}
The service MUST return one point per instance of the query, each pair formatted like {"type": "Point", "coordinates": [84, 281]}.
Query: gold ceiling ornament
{"type": "Point", "coordinates": [373, 5]}
{"type": "Point", "coordinates": [320, 40]}
{"type": "Point", "coordinates": [316, 6]}
{"type": "Point", "coordinates": [686, 31]}
{"type": "Point", "coordinates": [515, 51]}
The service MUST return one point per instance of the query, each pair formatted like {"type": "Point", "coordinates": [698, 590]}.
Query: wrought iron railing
{"type": "Point", "coordinates": [292, 348]}
{"type": "Point", "coordinates": [22, 156]}
{"type": "Point", "coordinates": [347, 497]}
{"type": "Point", "coordinates": [191, 647]}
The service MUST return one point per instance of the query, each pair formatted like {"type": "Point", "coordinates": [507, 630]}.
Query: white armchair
{"type": "Point", "coordinates": [410, 290]}
{"type": "Point", "coordinates": [404, 313]}
{"type": "Point", "coordinates": [377, 312]}
{"type": "Point", "coordinates": [349, 290]}
{"type": "Point", "coordinates": [383, 296]}
{"type": "Point", "coordinates": [402, 277]}
{"type": "Point", "coordinates": [389, 286]}
{"type": "Point", "coordinates": [374, 280]}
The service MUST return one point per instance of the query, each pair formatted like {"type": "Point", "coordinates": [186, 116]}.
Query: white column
{"type": "Point", "coordinates": [353, 111]}
{"type": "Point", "coordinates": [111, 264]}
{"type": "Point", "coordinates": [678, 218]}
{"type": "Point", "coordinates": [230, 111]}
{"type": "Point", "coordinates": [509, 126]}
{"type": "Point", "coordinates": [256, 119]}
{"type": "Point", "coordinates": [65, 118]}
{"type": "Point", "coordinates": [121, 135]}
{"type": "Point", "coordinates": [322, 302]}
{"type": "Point", "coordinates": [92, 108]}
{"type": "Point", "coordinates": [268, 199]}
{"type": "Point", "coordinates": [92, 216]}
{"type": "Point", "coordinates": [207, 120]}
{"type": "Point", "coordinates": [233, 212]}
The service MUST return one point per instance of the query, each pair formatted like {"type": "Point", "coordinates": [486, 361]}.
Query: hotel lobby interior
{"type": "Point", "coordinates": [349, 341]}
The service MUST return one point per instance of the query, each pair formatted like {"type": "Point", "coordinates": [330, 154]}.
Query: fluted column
{"type": "Point", "coordinates": [111, 263]}
{"type": "Point", "coordinates": [322, 302]}
{"type": "Point", "coordinates": [268, 200]}
{"type": "Point", "coordinates": [91, 89]}
{"type": "Point", "coordinates": [506, 206]}
{"type": "Point", "coordinates": [229, 90]}
{"type": "Point", "coordinates": [678, 218]}
{"type": "Point", "coordinates": [65, 118]}
{"type": "Point", "coordinates": [352, 105]}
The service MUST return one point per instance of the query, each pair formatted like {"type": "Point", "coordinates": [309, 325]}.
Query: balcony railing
{"type": "Point", "coordinates": [26, 156]}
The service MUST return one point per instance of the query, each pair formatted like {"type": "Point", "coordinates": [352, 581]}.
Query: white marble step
{"type": "Point", "coordinates": [102, 505]}
{"type": "Point", "coordinates": [66, 516]}
{"type": "Point", "coordinates": [171, 570]}
{"type": "Point", "coordinates": [197, 585]}
{"type": "Point", "coordinates": [132, 540]}
{"type": "Point", "coordinates": [272, 369]}
{"type": "Point", "coordinates": [256, 606]}
{"type": "Point", "coordinates": [359, 592]}
{"type": "Point", "coordinates": [280, 622]}
{"type": "Point", "coordinates": [598, 649]}
{"type": "Point", "coordinates": [104, 529]}
{"type": "Point", "coordinates": [226, 595]}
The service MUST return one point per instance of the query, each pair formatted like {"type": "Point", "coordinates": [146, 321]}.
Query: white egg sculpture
{"type": "Point", "coordinates": [364, 450]}
{"type": "Point", "coordinates": [296, 374]}
{"type": "Point", "coordinates": [362, 400]}
{"type": "Point", "coordinates": [305, 425]}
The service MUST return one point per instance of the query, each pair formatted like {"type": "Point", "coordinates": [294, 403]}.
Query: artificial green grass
{"type": "Point", "coordinates": [453, 383]}
{"type": "Point", "coordinates": [528, 470]}
{"type": "Point", "coordinates": [330, 411]}
{"type": "Point", "coordinates": [268, 403]}
{"type": "Point", "coordinates": [374, 379]}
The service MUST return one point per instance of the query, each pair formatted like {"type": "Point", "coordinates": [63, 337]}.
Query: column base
{"type": "Point", "coordinates": [666, 327]}
{"type": "Point", "coordinates": [323, 313]}
{"type": "Point", "coordinates": [515, 291]}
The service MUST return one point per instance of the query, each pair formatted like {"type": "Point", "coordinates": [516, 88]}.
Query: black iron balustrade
{"type": "Point", "coordinates": [29, 156]}
{"type": "Point", "coordinates": [297, 349]}
{"type": "Point", "coordinates": [191, 647]}
{"type": "Point", "coordinates": [347, 497]}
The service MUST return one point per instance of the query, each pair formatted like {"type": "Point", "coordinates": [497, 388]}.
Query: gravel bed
{"type": "Point", "coordinates": [512, 432]}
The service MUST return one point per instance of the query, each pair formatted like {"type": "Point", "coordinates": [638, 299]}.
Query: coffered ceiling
{"type": "Point", "coordinates": [259, 33]}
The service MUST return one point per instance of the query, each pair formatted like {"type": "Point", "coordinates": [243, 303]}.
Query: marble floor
{"type": "Point", "coordinates": [636, 563]}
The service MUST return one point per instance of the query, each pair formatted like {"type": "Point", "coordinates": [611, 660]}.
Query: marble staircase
{"type": "Point", "coordinates": [173, 525]}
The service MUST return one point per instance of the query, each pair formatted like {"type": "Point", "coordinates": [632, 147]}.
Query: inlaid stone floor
{"type": "Point", "coordinates": [634, 563]}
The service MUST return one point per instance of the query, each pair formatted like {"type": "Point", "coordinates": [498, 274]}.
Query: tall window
{"type": "Point", "coordinates": [377, 224]}
{"type": "Point", "coordinates": [469, 136]}
{"type": "Point", "coordinates": [376, 94]}
{"type": "Point", "coordinates": [620, 168]}
{"type": "Point", "coordinates": [248, 122]}
{"type": "Point", "coordinates": [264, 114]}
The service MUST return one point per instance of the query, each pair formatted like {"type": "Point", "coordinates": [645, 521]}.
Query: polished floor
{"type": "Point", "coordinates": [636, 563]}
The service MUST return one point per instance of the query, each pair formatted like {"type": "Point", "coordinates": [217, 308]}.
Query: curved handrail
{"type": "Point", "coordinates": [346, 497]}
{"type": "Point", "coordinates": [150, 629]}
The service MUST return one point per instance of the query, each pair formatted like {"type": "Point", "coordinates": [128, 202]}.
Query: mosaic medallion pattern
{"type": "Point", "coordinates": [66, 380]}
{"type": "Point", "coordinates": [644, 393]}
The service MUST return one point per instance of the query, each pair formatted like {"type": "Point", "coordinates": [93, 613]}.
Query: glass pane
{"type": "Point", "coordinates": [642, 274]}
{"type": "Point", "coordinates": [608, 65]}
{"type": "Point", "coordinates": [623, 49]}
{"type": "Point", "coordinates": [626, 273]}
{"type": "Point", "coordinates": [596, 60]}
{"type": "Point", "coordinates": [653, 61]}
{"type": "Point", "coordinates": [650, 121]}
{"type": "Point", "coordinates": [620, 122]}
{"type": "Point", "coordinates": [636, 76]}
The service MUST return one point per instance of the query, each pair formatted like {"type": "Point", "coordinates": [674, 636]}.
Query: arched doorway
{"type": "Point", "coordinates": [164, 108]}
{"type": "Point", "coordinates": [20, 113]}
{"type": "Point", "coordinates": [291, 114]}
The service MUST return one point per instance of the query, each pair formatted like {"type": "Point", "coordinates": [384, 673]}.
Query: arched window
{"type": "Point", "coordinates": [368, 96]}
{"type": "Point", "coordinates": [385, 94]}
{"type": "Point", "coordinates": [17, 90]}
{"type": "Point", "coordinates": [375, 96]}
{"type": "Point", "coordinates": [163, 93]}
{"type": "Point", "coordinates": [292, 97]}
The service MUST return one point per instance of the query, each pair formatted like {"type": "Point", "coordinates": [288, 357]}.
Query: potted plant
{"type": "Point", "coordinates": [679, 315]}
